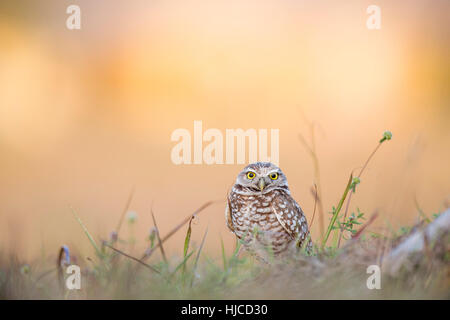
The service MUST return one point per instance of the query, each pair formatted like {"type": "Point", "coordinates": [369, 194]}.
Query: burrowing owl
{"type": "Point", "coordinates": [261, 212]}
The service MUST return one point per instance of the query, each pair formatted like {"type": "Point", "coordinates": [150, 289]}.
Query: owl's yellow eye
{"type": "Point", "coordinates": [273, 176]}
{"type": "Point", "coordinates": [251, 175]}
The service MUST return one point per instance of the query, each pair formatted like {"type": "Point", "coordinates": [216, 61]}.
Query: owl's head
{"type": "Point", "coordinates": [261, 177]}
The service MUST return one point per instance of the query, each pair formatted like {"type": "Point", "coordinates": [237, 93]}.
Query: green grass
{"type": "Point", "coordinates": [328, 273]}
{"type": "Point", "coordinates": [332, 270]}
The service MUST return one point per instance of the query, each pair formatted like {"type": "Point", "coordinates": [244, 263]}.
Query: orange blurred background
{"type": "Point", "coordinates": [87, 114]}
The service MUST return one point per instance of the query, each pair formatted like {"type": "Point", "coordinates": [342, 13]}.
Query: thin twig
{"type": "Point", "coordinates": [127, 206]}
{"type": "Point", "coordinates": [368, 159]}
{"type": "Point", "coordinates": [159, 238]}
{"type": "Point", "coordinates": [312, 151]}
{"type": "Point", "coordinates": [347, 205]}
{"type": "Point", "coordinates": [59, 266]}
{"type": "Point", "coordinates": [46, 273]}
{"type": "Point", "coordinates": [351, 192]}
{"type": "Point", "coordinates": [133, 258]}
{"type": "Point", "coordinates": [178, 227]}
{"type": "Point", "coordinates": [315, 203]}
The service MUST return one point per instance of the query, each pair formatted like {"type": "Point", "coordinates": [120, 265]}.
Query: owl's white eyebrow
{"type": "Point", "coordinates": [276, 171]}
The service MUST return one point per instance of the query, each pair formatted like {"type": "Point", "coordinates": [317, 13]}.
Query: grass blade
{"type": "Point", "coordinates": [159, 239]}
{"type": "Point", "coordinates": [181, 264]}
{"type": "Point", "coordinates": [198, 257]}
{"type": "Point", "coordinates": [224, 257]}
{"type": "Point", "coordinates": [178, 227]}
{"type": "Point", "coordinates": [336, 212]}
{"type": "Point", "coordinates": [187, 240]}
{"type": "Point", "coordinates": [97, 250]}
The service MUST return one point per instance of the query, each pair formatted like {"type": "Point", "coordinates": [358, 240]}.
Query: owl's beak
{"type": "Point", "coordinates": [261, 184]}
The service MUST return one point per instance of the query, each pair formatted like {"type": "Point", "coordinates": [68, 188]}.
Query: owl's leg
{"type": "Point", "coordinates": [259, 257]}
{"type": "Point", "coordinates": [252, 248]}
{"type": "Point", "coordinates": [239, 251]}
{"type": "Point", "coordinates": [304, 243]}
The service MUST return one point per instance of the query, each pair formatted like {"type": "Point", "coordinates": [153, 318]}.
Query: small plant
{"type": "Point", "coordinates": [350, 188]}
{"type": "Point", "coordinates": [335, 211]}
{"type": "Point", "coordinates": [348, 224]}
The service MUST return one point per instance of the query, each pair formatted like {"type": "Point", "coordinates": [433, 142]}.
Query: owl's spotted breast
{"type": "Point", "coordinates": [269, 218]}
{"type": "Point", "coordinates": [261, 211]}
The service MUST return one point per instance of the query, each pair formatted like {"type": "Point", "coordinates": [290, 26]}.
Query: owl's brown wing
{"type": "Point", "coordinates": [279, 215]}
{"type": "Point", "coordinates": [290, 216]}
{"type": "Point", "coordinates": [228, 215]}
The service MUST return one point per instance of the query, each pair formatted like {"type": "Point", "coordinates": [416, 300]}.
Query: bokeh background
{"type": "Point", "coordinates": [86, 115]}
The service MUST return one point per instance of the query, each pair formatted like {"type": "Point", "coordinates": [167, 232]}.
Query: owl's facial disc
{"type": "Point", "coordinates": [260, 183]}
{"type": "Point", "coordinates": [261, 177]}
